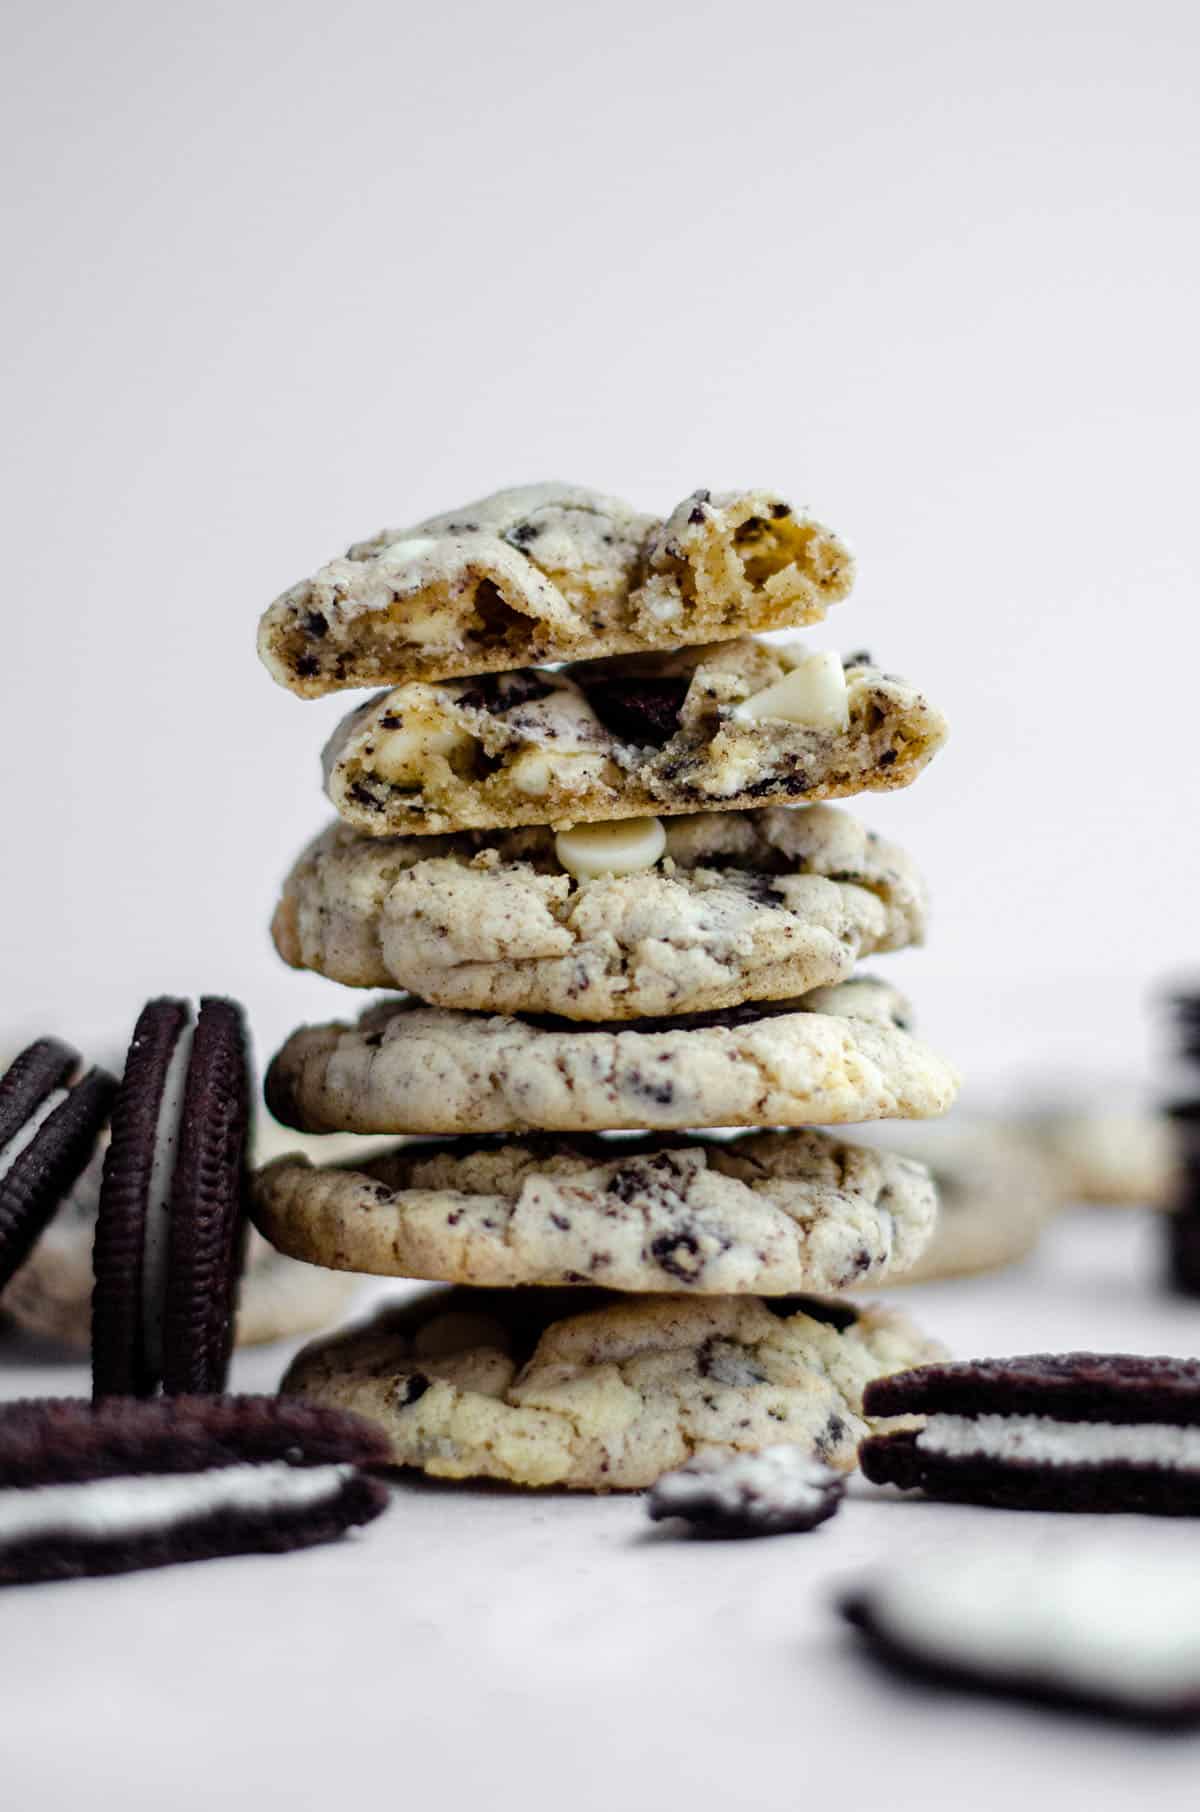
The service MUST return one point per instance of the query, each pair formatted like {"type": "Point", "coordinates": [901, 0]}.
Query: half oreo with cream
{"type": "Point", "coordinates": [50, 1120]}
{"type": "Point", "coordinates": [123, 1484]}
{"type": "Point", "coordinates": [1070, 1431]}
{"type": "Point", "coordinates": [169, 1229]}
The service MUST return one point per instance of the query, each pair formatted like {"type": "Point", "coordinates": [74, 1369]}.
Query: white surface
{"type": "Point", "coordinates": [281, 274]}
{"type": "Point", "coordinates": [560, 1654]}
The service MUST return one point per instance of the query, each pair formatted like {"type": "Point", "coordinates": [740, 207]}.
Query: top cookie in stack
{"type": "Point", "coordinates": [616, 905]}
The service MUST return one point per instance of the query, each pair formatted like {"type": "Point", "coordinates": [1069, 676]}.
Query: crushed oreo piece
{"type": "Point", "coordinates": [638, 710]}
{"type": "Point", "coordinates": [778, 1491]}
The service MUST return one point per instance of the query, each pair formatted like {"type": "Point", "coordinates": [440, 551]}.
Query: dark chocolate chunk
{"type": "Point", "coordinates": [640, 710]}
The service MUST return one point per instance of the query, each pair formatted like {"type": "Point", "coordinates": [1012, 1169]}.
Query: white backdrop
{"type": "Point", "coordinates": [279, 274]}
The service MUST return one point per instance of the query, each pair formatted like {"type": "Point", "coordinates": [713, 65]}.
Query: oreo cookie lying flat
{"type": "Point", "coordinates": [1076, 1431]}
{"type": "Point", "coordinates": [109, 1488]}
{"type": "Point", "coordinates": [169, 1226]}
{"type": "Point", "coordinates": [1110, 1625]}
{"type": "Point", "coordinates": [49, 1124]}
{"type": "Point", "coordinates": [777, 1491]}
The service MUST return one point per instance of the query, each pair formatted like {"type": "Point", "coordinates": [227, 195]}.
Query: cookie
{"type": "Point", "coordinates": [1073, 1431]}
{"type": "Point", "coordinates": [603, 1393]}
{"type": "Point", "coordinates": [125, 1484]}
{"type": "Point", "coordinates": [543, 573]}
{"type": "Point", "coordinates": [728, 727]}
{"type": "Point", "coordinates": [996, 1193]}
{"type": "Point", "coordinates": [780, 1491]}
{"type": "Point", "coordinates": [1108, 1147]}
{"type": "Point", "coordinates": [765, 1213]}
{"type": "Point", "coordinates": [51, 1294]}
{"type": "Point", "coordinates": [50, 1121]}
{"type": "Point", "coordinates": [755, 905]}
{"type": "Point", "coordinates": [1109, 1626]}
{"type": "Point", "coordinates": [167, 1252]}
{"type": "Point", "coordinates": [833, 1055]}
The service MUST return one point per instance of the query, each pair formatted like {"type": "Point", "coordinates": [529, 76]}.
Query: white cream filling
{"type": "Point", "coordinates": [1045, 1442]}
{"type": "Point", "coordinates": [111, 1508]}
{"type": "Point", "coordinates": [1116, 1617]}
{"type": "Point", "coordinates": [156, 1235]}
{"type": "Point", "coordinates": [25, 1134]}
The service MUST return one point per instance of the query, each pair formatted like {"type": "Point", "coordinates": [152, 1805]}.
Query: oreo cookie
{"type": "Point", "coordinates": [777, 1491]}
{"type": "Point", "coordinates": [1076, 1431]}
{"type": "Point", "coordinates": [49, 1124]}
{"type": "Point", "coordinates": [1183, 1113]}
{"type": "Point", "coordinates": [170, 1223]}
{"type": "Point", "coordinates": [125, 1484]}
{"type": "Point", "coordinates": [1106, 1626]}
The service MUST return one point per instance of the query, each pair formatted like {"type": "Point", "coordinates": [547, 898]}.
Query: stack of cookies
{"type": "Point", "coordinates": [583, 838]}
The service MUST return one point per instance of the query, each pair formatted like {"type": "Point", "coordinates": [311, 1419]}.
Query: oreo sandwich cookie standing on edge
{"type": "Point", "coordinates": [1109, 1625]}
{"type": "Point", "coordinates": [170, 1219]}
{"type": "Point", "coordinates": [1073, 1431]}
{"type": "Point", "coordinates": [124, 1484]}
{"type": "Point", "coordinates": [49, 1125]}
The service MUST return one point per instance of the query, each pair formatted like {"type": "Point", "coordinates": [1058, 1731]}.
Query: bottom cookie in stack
{"type": "Point", "coordinates": [598, 1392]}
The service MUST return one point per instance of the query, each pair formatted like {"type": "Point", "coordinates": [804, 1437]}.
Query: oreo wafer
{"type": "Point", "coordinates": [49, 1124]}
{"type": "Point", "coordinates": [1109, 1624]}
{"type": "Point", "coordinates": [170, 1218]}
{"type": "Point", "coordinates": [1076, 1431]}
{"type": "Point", "coordinates": [112, 1487]}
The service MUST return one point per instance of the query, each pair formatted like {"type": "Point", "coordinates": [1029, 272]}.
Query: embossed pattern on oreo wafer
{"type": "Point", "coordinates": [49, 1125]}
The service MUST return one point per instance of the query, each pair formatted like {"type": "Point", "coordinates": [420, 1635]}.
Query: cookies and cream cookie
{"type": "Point", "coordinates": [727, 727]}
{"type": "Point", "coordinates": [833, 1055]}
{"type": "Point", "coordinates": [755, 905]}
{"type": "Point", "coordinates": [767, 1212]}
{"type": "Point", "coordinates": [547, 572]}
{"type": "Point", "coordinates": [537, 1388]}
{"type": "Point", "coordinates": [996, 1194]}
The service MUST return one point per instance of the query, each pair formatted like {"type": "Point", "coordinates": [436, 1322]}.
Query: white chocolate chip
{"type": "Point", "coordinates": [812, 694]}
{"type": "Point", "coordinates": [430, 629]}
{"type": "Point", "coordinates": [620, 848]}
{"type": "Point", "coordinates": [535, 771]}
{"type": "Point", "coordinates": [406, 553]}
{"type": "Point", "coordinates": [403, 755]}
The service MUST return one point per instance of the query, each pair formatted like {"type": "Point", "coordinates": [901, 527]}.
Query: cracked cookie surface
{"type": "Point", "coordinates": [656, 733]}
{"type": "Point", "coordinates": [547, 572]}
{"type": "Point", "coordinates": [757, 905]}
{"type": "Point", "coordinates": [534, 1388]}
{"type": "Point", "coordinates": [766, 1213]}
{"type": "Point", "coordinates": [833, 1055]}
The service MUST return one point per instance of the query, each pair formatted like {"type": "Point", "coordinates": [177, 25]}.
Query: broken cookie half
{"type": "Point", "coordinates": [728, 727]}
{"type": "Point", "coordinates": [548, 572]}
